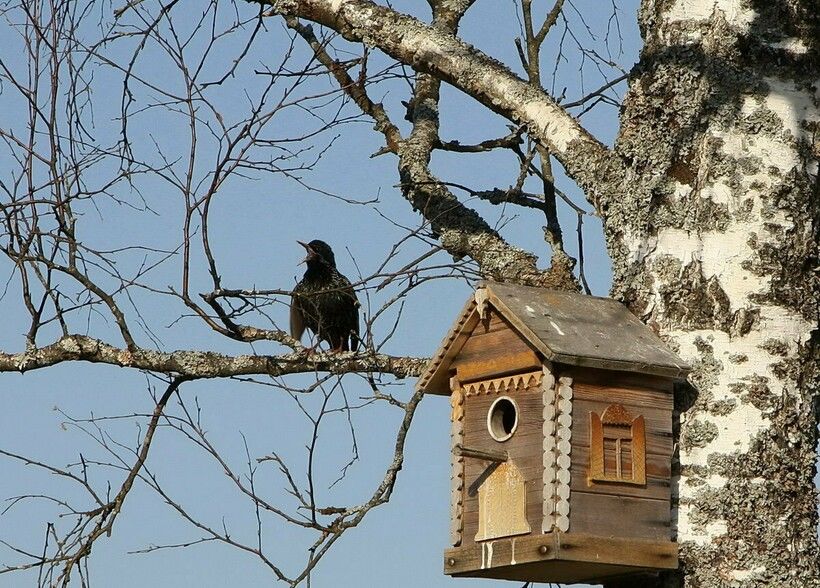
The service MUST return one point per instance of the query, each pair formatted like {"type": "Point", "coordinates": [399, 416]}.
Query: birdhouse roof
{"type": "Point", "coordinates": [565, 328]}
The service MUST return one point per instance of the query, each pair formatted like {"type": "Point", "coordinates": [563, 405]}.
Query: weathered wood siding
{"type": "Point", "coordinates": [494, 349]}
{"type": "Point", "coordinates": [612, 508]}
{"type": "Point", "coordinates": [524, 449]}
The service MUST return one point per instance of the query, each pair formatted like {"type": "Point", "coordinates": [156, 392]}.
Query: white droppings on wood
{"type": "Point", "coordinates": [486, 555]}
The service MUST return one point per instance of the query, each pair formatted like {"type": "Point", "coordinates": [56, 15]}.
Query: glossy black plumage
{"type": "Point", "coordinates": [324, 301]}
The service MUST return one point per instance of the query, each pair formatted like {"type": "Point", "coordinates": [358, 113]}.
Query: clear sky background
{"type": "Point", "coordinates": [256, 221]}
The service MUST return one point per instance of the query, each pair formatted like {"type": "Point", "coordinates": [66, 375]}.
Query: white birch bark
{"type": "Point", "coordinates": [435, 51]}
{"type": "Point", "coordinates": [719, 252]}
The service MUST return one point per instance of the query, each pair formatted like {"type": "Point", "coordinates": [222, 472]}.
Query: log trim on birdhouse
{"type": "Point", "coordinates": [561, 424]}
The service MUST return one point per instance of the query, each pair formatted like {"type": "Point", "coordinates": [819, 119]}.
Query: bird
{"type": "Point", "coordinates": [324, 301]}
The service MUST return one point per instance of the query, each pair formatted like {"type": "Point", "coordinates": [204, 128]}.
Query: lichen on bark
{"type": "Point", "coordinates": [715, 245]}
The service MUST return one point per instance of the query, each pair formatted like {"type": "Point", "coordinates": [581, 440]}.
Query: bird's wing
{"type": "Point", "coordinates": [297, 320]}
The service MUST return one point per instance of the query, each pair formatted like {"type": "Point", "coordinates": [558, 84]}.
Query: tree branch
{"type": "Point", "coordinates": [108, 512]}
{"type": "Point", "coordinates": [461, 230]}
{"type": "Point", "coordinates": [207, 364]}
{"type": "Point", "coordinates": [596, 169]}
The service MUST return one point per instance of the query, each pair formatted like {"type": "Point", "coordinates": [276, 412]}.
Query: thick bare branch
{"type": "Point", "coordinates": [428, 49]}
{"type": "Point", "coordinates": [207, 364]}
{"type": "Point", "coordinates": [460, 229]}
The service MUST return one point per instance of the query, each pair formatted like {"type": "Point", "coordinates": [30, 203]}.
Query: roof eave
{"type": "Point", "coordinates": [436, 378]}
{"type": "Point", "coordinates": [673, 372]}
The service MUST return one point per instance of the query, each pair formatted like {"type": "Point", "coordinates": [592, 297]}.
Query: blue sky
{"type": "Point", "coordinates": [255, 222]}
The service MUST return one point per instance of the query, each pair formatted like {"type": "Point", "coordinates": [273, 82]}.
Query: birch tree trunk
{"type": "Point", "coordinates": [716, 246]}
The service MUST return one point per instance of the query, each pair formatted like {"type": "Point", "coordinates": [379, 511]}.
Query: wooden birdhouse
{"type": "Point", "coordinates": [561, 437]}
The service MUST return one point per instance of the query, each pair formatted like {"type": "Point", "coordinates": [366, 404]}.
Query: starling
{"type": "Point", "coordinates": [324, 301]}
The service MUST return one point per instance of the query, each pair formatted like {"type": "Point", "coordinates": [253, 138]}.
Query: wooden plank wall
{"type": "Point", "coordinates": [494, 349]}
{"type": "Point", "coordinates": [524, 449]}
{"type": "Point", "coordinates": [612, 509]}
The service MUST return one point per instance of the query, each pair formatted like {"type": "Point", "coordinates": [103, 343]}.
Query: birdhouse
{"type": "Point", "coordinates": [561, 437]}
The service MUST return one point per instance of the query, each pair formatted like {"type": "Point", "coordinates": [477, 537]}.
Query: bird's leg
{"type": "Point", "coordinates": [339, 345]}
{"type": "Point", "coordinates": [308, 351]}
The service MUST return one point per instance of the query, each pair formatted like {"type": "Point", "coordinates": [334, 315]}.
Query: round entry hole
{"type": "Point", "coordinates": [502, 420]}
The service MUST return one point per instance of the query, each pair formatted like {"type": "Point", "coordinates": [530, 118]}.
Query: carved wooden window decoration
{"type": "Point", "coordinates": [617, 450]}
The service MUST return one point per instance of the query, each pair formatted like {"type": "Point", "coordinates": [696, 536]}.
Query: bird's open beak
{"type": "Point", "coordinates": [310, 252]}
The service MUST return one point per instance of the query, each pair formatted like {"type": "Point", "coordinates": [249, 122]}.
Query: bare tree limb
{"type": "Point", "coordinates": [459, 229]}
{"type": "Point", "coordinates": [107, 513]}
{"type": "Point", "coordinates": [206, 364]}
{"type": "Point", "coordinates": [428, 49]}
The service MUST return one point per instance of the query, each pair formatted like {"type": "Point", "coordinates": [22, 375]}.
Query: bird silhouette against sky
{"type": "Point", "coordinates": [324, 301]}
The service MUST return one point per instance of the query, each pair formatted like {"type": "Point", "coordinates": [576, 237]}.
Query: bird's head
{"type": "Point", "coordinates": [319, 253]}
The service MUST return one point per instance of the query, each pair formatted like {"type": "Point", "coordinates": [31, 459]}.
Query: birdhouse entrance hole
{"type": "Point", "coordinates": [502, 418]}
